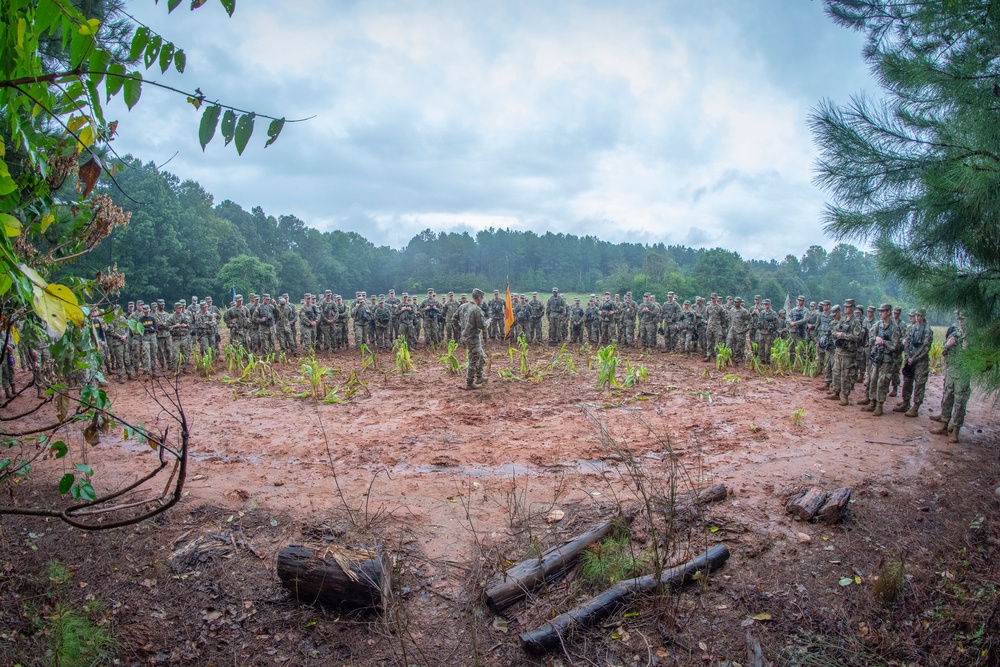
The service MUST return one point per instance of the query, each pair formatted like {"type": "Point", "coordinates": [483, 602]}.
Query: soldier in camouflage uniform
{"type": "Point", "coordinates": [343, 324]}
{"type": "Point", "coordinates": [473, 324]}
{"type": "Point", "coordinates": [285, 315]}
{"type": "Point", "coordinates": [576, 317]}
{"type": "Point", "coordinates": [148, 323]}
{"type": "Point", "coordinates": [755, 311]}
{"type": "Point", "coordinates": [180, 324]}
{"type": "Point", "coordinates": [784, 331]}
{"type": "Point", "coordinates": [117, 341]}
{"type": "Point", "coordinates": [798, 320]}
{"type": "Point", "coordinates": [715, 329]}
{"type": "Point", "coordinates": [629, 314]}
{"type": "Point", "coordinates": [671, 313]}
{"type": "Point", "coordinates": [592, 321]}
{"type": "Point", "coordinates": [606, 313]}
{"type": "Point", "coordinates": [917, 345]}
{"type": "Point", "coordinates": [537, 312]}
{"type": "Point", "coordinates": [160, 314]}
{"type": "Point", "coordinates": [767, 331]}
{"type": "Point", "coordinates": [957, 388]}
{"type": "Point", "coordinates": [686, 328]}
{"type": "Point", "coordinates": [383, 324]}
{"type": "Point", "coordinates": [326, 333]}
{"type": "Point", "coordinates": [812, 323]}
{"type": "Point", "coordinates": [522, 317]}
{"type": "Point", "coordinates": [362, 317]}
{"type": "Point", "coordinates": [887, 340]}
{"type": "Point", "coordinates": [309, 319]}
{"type": "Point", "coordinates": [250, 335]}
{"type": "Point", "coordinates": [649, 316]}
{"type": "Point", "coordinates": [237, 320]}
{"type": "Point", "coordinates": [133, 353]}
{"type": "Point", "coordinates": [894, 380]}
{"type": "Point", "coordinates": [824, 344]}
{"type": "Point", "coordinates": [556, 311]}
{"type": "Point", "coordinates": [739, 329]}
{"type": "Point", "coordinates": [265, 325]}
{"type": "Point", "coordinates": [393, 302]}
{"type": "Point", "coordinates": [701, 317]}
{"type": "Point", "coordinates": [408, 320]}
{"type": "Point", "coordinates": [495, 309]}
{"type": "Point", "coordinates": [846, 334]}
{"type": "Point", "coordinates": [450, 314]}
{"type": "Point", "coordinates": [204, 326]}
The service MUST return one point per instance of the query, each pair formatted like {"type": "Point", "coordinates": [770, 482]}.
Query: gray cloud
{"type": "Point", "coordinates": [680, 123]}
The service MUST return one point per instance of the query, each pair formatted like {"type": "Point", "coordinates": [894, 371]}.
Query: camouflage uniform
{"type": "Point", "coordinates": [309, 319]}
{"type": "Point", "coordinates": [739, 329]}
{"type": "Point", "coordinates": [576, 317]}
{"type": "Point", "coordinates": [767, 331]}
{"type": "Point", "coordinates": [649, 316]}
{"type": "Point", "coordinates": [162, 336]}
{"type": "Point", "coordinates": [408, 321]}
{"type": "Point", "coordinates": [592, 322]}
{"type": "Point", "coordinates": [556, 311]}
{"type": "Point", "coordinates": [671, 312]}
{"type": "Point", "coordinates": [285, 315]}
{"type": "Point", "coordinates": [824, 344]}
{"type": "Point", "coordinates": [957, 388]}
{"type": "Point", "coordinates": [798, 319]}
{"type": "Point", "coordinates": [180, 324]}
{"type": "Point", "coordinates": [846, 334]}
{"type": "Point", "coordinates": [383, 324]}
{"type": "Point", "coordinates": [117, 341]}
{"type": "Point", "coordinates": [537, 311]}
{"type": "Point", "coordinates": [687, 328]}
{"type": "Point", "coordinates": [701, 317]}
{"type": "Point", "coordinates": [606, 313]}
{"type": "Point", "coordinates": [362, 317]}
{"type": "Point", "coordinates": [917, 343]}
{"type": "Point", "coordinates": [342, 327]}
{"type": "Point", "coordinates": [204, 326]}
{"type": "Point", "coordinates": [715, 314]}
{"type": "Point", "coordinates": [630, 312]}
{"type": "Point", "coordinates": [888, 341]}
{"type": "Point", "coordinates": [496, 308]}
{"type": "Point", "coordinates": [326, 328]}
{"type": "Point", "coordinates": [237, 320]}
{"type": "Point", "coordinates": [894, 378]}
{"type": "Point", "coordinates": [450, 314]}
{"type": "Point", "coordinates": [147, 361]}
{"type": "Point", "coordinates": [473, 325]}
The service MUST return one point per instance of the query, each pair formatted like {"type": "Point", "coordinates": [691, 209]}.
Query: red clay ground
{"type": "Point", "coordinates": [458, 482]}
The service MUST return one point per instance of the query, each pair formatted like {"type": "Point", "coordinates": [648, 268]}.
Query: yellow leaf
{"type": "Point", "coordinates": [70, 305]}
{"type": "Point", "coordinates": [90, 27]}
{"type": "Point", "coordinates": [47, 220]}
{"type": "Point", "coordinates": [76, 122]}
{"type": "Point", "coordinates": [51, 310]}
{"type": "Point", "coordinates": [15, 335]}
{"type": "Point", "coordinates": [11, 225]}
{"type": "Point", "coordinates": [32, 275]}
{"type": "Point", "coordinates": [762, 617]}
{"type": "Point", "coordinates": [86, 137]}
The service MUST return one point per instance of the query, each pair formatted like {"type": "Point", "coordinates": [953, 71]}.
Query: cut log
{"type": "Point", "coordinates": [335, 577]}
{"type": "Point", "coordinates": [835, 506]}
{"type": "Point", "coordinates": [514, 584]}
{"type": "Point", "coordinates": [557, 631]}
{"type": "Point", "coordinates": [805, 505]}
{"type": "Point", "coordinates": [688, 505]}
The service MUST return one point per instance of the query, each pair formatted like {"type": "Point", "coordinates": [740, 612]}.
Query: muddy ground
{"type": "Point", "coordinates": [458, 484]}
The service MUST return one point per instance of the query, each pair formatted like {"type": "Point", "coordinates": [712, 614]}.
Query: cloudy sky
{"type": "Point", "coordinates": [680, 122]}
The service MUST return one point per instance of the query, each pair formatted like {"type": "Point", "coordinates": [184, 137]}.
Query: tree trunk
{"type": "Point", "coordinates": [335, 577]}
{"type": "Point", "coordinates": [805, 505]}
{"type": "Point", "coordinates": [557, 631]}
{"type": "Point", "coordinates": [514, 584]}
{"type": "Point", "coordinates": [835, 506]}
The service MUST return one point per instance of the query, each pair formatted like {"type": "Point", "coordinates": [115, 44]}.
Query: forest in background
{"type": "Point", "coordinates": [181, 243]}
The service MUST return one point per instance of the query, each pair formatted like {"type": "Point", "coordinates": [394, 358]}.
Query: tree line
{"type": "Point", "coordinates": [180, 243]}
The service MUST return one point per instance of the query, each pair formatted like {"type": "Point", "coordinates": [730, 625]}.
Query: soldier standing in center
{"type": "Point", "coordinates": [555, 311]}
{"type": "Point", "coordinates": [671, 313]}
{"type": "Point", "coordinates": [180, 325]}
{"type": "Point", "coordinates": [606, 313]}
{"type": "Point", "coordinates": [162, 336]}
{"type": "Point", "coordinates": [450, 313]}
{"type": "Point", "coordinates": [739, 329]}
{"type": "Point", "coordinates": [309, 319]}
{"type": "Point", "coordinates": [715, 315]}
{"type": "Point", "coordinates": [496, 308]}
{"type": "Point", "coordinates": [846, 334]}
{"type": "Point", "coordinates": [629, 314]}
{"type": "Point", "coordinates": [767, 330]}
{"type": "Point", "coordinates": [343, 323]}
{"type": "Point", "coordinates": [236, 319]}
{"type": "Point", "coordinates": [576, 317]}
{"type": "Point", "coordinates": [383, 321]}
{"type": "Point", "coordinates": [649, 316]}
{"type": "Point", "coordinates": [797, 321]}
{"type": "Point", "coordinates": [393, 304]}
{"type": "Point", "coordinates": [917, 343]}
{"type": "Point", "coordinates": [473, 324]}
{"type": "Point", "coordinates": [361, 317]}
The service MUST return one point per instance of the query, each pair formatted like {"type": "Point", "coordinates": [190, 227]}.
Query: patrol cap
{"type": "Point", "coordinates": [607, 294]}
{"type": "Point", "coordinates": [145, 306]}
{"type": "Point", "coordinates": [159, 301]}
{"type": "Point", "coordinates": [381, 297]}
{"type": "Point", "coordinates": [959, 315]}
{"type": "Point", "coordinates": [884, 306]}
{"type": "Point", "coordinates": [466, 295]}
{"type": "Point", "coordinates": [826, 302]}
{"type": "Point", "coordinates": [449, 293]}
{"type": "Point", "coordinates": [766, 302]}
{"type": "Point", "coordinates": [812, 303]}
{"type": "Point", "coordinates": [687, 302]}
{"type": "Point", "coordinates": [577, 299]}
{"type": "Point", "coordinates": [209, 299]}
{"type": "Point", "coordinates": [800, 298]}
{"type": "Point", "coordinates": [756, 297]}
{"type": "Point", "coordinates": [835, 308]}
{"type": "Point", "coordinates": [699, 299]}
{"type": "Point", "coordinates": [328, 292]}
{"type": "Point", "coordinates": [392, 291]}
{"type": "Point", "coordinates": [714, 295]}
{"type": "Point", "coordinates": [265, 296]}
{"type": "Point", "coordinates": [281, 299]}
{"type": "Point", "coordinates": [239, 297]}
{"type": "Point", "coordinates": [477, 292]}
{"type": "Point", "coordinates": [628, 293]}
{"type": "Point", "coordinates": [871, 309]}
{"type": "Point", "coordinates": [781, 312]}
{"type": "Point", "coordinates": [849, 302]}
{"type": "Point", "coordinates": [179, 304]}
{"type": "Point", "coordinates": [430, 290]}
{"type": "Point", "coordinates": [897, 309]}
{"type": "Point", "coordinates": [555, 289]}
{"type": "Point", "coordinates": [532, 294]}
{"type": "Point", "coordinates": [913, 313]}
{"type": "Point", "coordinates": [593, 296]}
{"type": "Point", "coordinates": [131, 303]}
{"type": "Point", "coordinates": [921, 312]}
{"type": "Point", "coordinates": [670, 293]}
{"type": "Point", "coordinates": [496, 291]}
{"type": "Point", "coordinates": [737, 300]}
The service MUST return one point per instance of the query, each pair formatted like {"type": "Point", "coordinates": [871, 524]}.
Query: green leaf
{"type": "Point", "coordinates": [139, 41]}
{"type": "Point", "coordinates": [180, 60]}
{"type": "Point", "coordinates": [133, 89]}
{"type": "Point", "coordinates": [166, 57]}
{"type": "Point", "coordinates": [244, 128]}
{"type": "Point", "coordinates": [230, 6]}
{"type": "Point", "coordinates": [209, 120]}
{"type": "Point", "coordinates": [99, 60]}
{"type": "Point", "coordinates": [84, 468]}
{"type": "Point", "coordinates": [7, 184]}
{"type": "Point", "coordinates": [846, 581]}
{"type": "Point", "coordinates": [87, 491]}
{"type": "Point", "coordinates": [3, 464]}
{"type": "Point", "coordinates": [152, 50]}
{"type": "Point", "coordinates": [273, 130]}
{"type": "Point", "coordinates": [228, 125]}
{"type": "Point", "coordinates": [79, 48]}
{"type": "Point", "coordinates": [5, 283]}
{"type": "Point", "coordinates": [172, 5]}
{"type": "Point", "coordinates": [75, 492]}
{"type": "Point", "coordinates": [11, 225]}
{"type": "Point", "coordinates": [59, 449]}
{"type": "Point", "coordinates": [115, 79]}
{"type": "Point", "coordinates": [66, 482]}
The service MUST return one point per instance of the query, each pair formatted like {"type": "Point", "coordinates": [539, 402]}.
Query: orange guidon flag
{"type": "Point", "coordinates": [508, 316]}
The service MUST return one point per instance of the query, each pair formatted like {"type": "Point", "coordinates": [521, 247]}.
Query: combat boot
{"type": "Point", "coordinates": [826, 386]}
{"type": "Point", "coordinates": [913, 411]}
{"type": "Point", "coordinates": [844, 400]}
{"type": "Point", "coordinates": [902, 407]}
{"type": "Point", "coordinates": [869, 406]}
{"type": "Point", "coordinates": [894, 392]}
{"type": "Point", "coordinates": [833, 395]}
{"type": "Point", "coordinates": [939, 429]}
{"type": "Point", "coordinates": [935, 418]}
{"type": "Point", "coordinates": [953, 436]}
{"type": "Point", "coordinates": [877, 412]}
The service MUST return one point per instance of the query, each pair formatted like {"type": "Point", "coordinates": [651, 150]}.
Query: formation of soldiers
{"type": "Point", "coordinates": [888, 356]}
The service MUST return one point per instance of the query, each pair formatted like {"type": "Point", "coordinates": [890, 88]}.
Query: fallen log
{"type": "Point", "coordinates": [557, 631]}
{"type": "Point", "coordinates": [514, 584]}
{"type": "Point", "coordinates": [805, 505]}
{"type": "Point", "coordinates": [835, 506]}
{"type": "Point", "coordinates": [687, 505]}
{"type": "Point", "coordinates": [335, 577]}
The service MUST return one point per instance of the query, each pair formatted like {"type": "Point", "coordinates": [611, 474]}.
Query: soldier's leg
{"type": "Point", "coordinates": [962, 392]}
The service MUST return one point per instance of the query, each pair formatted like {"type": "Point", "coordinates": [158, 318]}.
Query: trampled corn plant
{"type": "Point", "coordinates": [205, 365]}
{"type": "Point", "coordinates": [811, 368]}
{"type": "Point", "coordinates": [259, 371]}
{"type": "Point", "coordinates": [564, 360]}
{"type": "Point", "coordinates": [519, 356]}
{"type": "Point", "coordinates": [401, 350]}
{"type": "Point", "coordinates": [236, 357]}
{"type": "Point", "coordinates": [723, 356]}
{"type": "Point", "coordinates": [798, 417]}
{"type": "Point", "coordinates": [634, 374]}
{"type": "Point", "coordinates": [607, 365]}
{"type": "Point", "coordinates": [315, 375]}
{"type": "Point", "coordinates": [369, 357]}
{"type": "Point", "coordinates": [755, 363]}
{"type": "Point", "coordinates": [450, 361]}
{"type": "Point", "coordinates": [780, 356]}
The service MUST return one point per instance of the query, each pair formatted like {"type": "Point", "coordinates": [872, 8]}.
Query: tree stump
{"type": "Point", "coordinates": [554, 633]}
{"type": "Point", "coordinates": [835, 506]}
{"type": "Point", "coordinates": [805, 505]}
{"type": "Point", "coordinates": [514, 584]}
{"type": "Point", "coordinates": [334, 576]}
